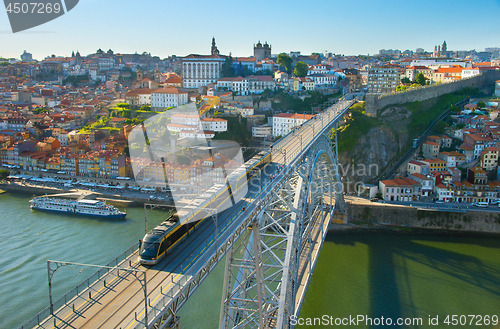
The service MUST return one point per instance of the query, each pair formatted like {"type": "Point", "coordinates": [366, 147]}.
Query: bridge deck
{"type": "Point", "coordinates": [116, 305]}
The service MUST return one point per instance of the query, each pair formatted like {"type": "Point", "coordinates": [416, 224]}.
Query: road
{"type": "Point", "coordinates": [429, 205]}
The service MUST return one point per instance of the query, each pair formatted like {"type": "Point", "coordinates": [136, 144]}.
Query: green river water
{"type": "Point", "coordinates": [373, 275]}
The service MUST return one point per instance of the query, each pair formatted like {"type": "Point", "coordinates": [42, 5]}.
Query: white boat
{"type": "Point", "coordinates": [81, 207]}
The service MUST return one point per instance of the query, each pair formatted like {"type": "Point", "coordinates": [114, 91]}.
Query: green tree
{"type": "Point", "coordinates": [145, 107]}
{"type": "Point", "coordinates": [301, 69]}
{"type": "Point", "coordinates": [460, 126]}
{"type": "Point", "coordinates": [440, 126]}
{"type": "Point", "coordinates": [454, 108]}
{"type": "Point", "coordinates": [285, 61]}
{"type": "Point", "coordinates": [420, 79]}
{"type": "Point", "coordinates": [227, 67]}
{"type": "Point", "coordinates": [405, 80]}
{"type": "Point", "coordinates": [123, 105]}
{"type": "Point", "coordinates": [4, 174]}
{"type": "Point", "coordinates": [481, 104]}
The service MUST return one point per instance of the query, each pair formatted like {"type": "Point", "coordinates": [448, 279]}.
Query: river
{"type": "Point", "coordinates": [380, 274]}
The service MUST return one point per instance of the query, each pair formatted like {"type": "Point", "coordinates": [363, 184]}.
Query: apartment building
{"type": "Point", "coordinates": [283, 123]}
{"type": "Point", "coordinates": [168, 97]}
{"type": "Point", "coordinates": [400, 189]}
{"type": "Point", "coordinates": [383, 79]}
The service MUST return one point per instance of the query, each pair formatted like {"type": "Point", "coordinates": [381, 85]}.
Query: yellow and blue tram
{"type": "Point", "coordinates": [162, 239]}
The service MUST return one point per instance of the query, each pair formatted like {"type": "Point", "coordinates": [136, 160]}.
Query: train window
{"type": "Point", "coordinates": [163, 246]}
{"type": "Point", "coordinates": [149, 249]}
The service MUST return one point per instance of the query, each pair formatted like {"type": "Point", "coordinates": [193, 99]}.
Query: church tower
{"type": "Point", "coordinates": [444, 48]}
{"type": "Point", "coordinates": [139, 75]}
{"type": "Point", "coordinates": [78, 57]}
{"type": "Point", "coordinates": [260, 52]}
{"type": "Point", "coordinates": [214, 50]}
{"type": "Point", "coordinates": [157, 74]}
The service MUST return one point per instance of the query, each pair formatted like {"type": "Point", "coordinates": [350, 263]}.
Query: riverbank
{"type": "Point", "coordinates": [123, 199]}
{"type": "Point", "coordinates": [377, 214]}
{"type": "Point", "coordinates": [354, 229]}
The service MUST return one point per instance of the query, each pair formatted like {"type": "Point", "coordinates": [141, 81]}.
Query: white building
{"type": "Point", "coordinates": [106, 63]}
{"type": "Point", "coordinates": [168, 97]}
{"type": "Point", "coordinates": [383, 79]}
{"type": "Point", "coordinates": [444, 193]}
{"type": "Point", "coordinates": [200, 70]}
{"type": "Point", "coordinates": [263, 131]}
{"type": "Point", "coordinates": [320, 69]}
{"type": "Point", "coordinates": [436, 63]}
{"type": "Point", "coordinates": [192, 122]}
{"type": "Point", "coordinates": [470, 72]}
{"type": "Point", "coordinates": [214, 124]}
{"type": "Point", "coordinates": [400, 189]}
{"type": "Point", "coordinates": [283, 123]}
{"type": "Point", "coordinates": [185, 119]}
{"type": "Point", "coordinates": [62, 138]}
{"type": "Point", "coordinates": [323, 79]}
{"type": "Point", "coordinates": [139, 97]}
{"type": "Point", "coordinates": [236, 84]}
{"type": "Point", "coordinates": [258, 83]}
{"type": "Point", "coordinates": [196, 134]}
{"type": "Point", "coordinates": [246, 111]}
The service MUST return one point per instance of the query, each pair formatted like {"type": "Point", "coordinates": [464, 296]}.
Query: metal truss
{"type": "Point", "coordinates": [265, 269]}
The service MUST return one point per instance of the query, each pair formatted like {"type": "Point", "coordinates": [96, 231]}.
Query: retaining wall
{"type": "Point", "coordinates": [474, 220]}
{"type": "Point", "coordinates": [375, 102]}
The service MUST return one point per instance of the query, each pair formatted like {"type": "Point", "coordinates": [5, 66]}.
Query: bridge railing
{"type": "Point", "coordinates": [180, 280]}
{"type": "Point", "coordinates": [80, 289]}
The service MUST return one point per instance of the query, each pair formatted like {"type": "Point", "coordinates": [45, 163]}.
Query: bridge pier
{"type": "Point", "coordinates": [267, 274]}
{"type": "Point", "coordinates": [339, 217]}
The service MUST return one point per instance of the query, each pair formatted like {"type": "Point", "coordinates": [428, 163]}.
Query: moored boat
{"type": "Point", "coordinates": [81, 207]}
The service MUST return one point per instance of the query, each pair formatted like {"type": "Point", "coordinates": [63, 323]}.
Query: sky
{"type": "Point", "coordinates": [167, 27]}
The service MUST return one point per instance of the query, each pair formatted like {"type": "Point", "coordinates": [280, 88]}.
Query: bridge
{"type": "Point", "coordinates": [271, 240]}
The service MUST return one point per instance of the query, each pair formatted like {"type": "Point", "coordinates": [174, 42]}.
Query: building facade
{"type": "Point", "coordinates": [168, 97]}
{"type": "Point", "coordinates": [383, 79]}
{"type": "Point", "coordinates": [283, 123]}
{"type": "Point", "coordinates": [200, 70]}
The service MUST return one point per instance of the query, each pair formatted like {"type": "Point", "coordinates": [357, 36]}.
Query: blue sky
{"type": "Point", "coordinates": [166, 27]}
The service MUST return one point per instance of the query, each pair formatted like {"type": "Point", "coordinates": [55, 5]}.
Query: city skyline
{"type": "Point", "coordinates": [333, 26]}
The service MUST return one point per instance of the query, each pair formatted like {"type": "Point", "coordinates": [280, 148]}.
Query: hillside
{"type": "Point", "coordinates": [367, 145]}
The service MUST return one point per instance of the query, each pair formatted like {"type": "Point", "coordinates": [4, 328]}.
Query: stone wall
{"type": "Point", "coordinates": [474, 220]}
{"type": "Point", "coordinates": [375, 102]}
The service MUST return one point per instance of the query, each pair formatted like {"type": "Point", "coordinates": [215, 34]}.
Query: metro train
{"type": "Point", "coordinates": [161, 240]}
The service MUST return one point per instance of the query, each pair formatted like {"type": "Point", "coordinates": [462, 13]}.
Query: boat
{"type": "Point", "coordinates": [2, 191]}
{"type": "Point", "coordinates": [79, 207]}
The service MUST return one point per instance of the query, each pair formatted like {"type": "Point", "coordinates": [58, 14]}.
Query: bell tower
{"type": "Point", "coordinates": [214, 50]}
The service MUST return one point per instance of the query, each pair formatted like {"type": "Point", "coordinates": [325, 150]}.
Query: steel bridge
{"type": "Point", "coordinates": [271, 240]}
